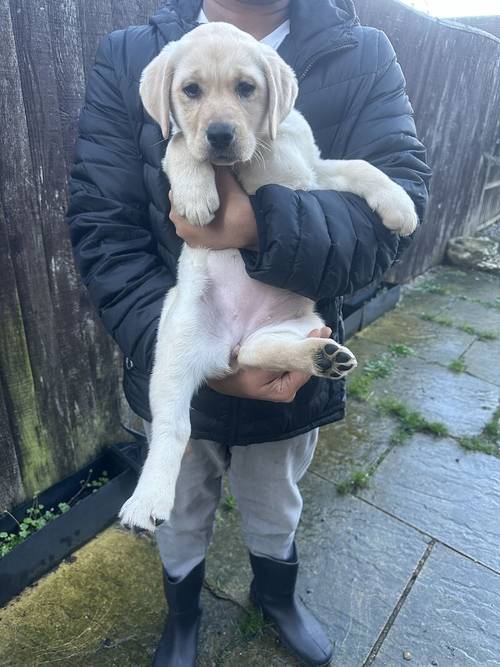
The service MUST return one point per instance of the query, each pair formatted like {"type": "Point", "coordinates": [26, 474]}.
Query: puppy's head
{"type": "Point", "coordinates": [224, 90]}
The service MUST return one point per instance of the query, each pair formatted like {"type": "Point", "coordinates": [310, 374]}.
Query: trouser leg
{"type": "Point", "coordinates": [264, 479]}
{"type": "Point", "coordinates": [183, 540]}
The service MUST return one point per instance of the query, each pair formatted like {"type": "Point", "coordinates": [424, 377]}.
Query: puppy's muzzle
{"type": "Point", "coordinates": [220, 136]}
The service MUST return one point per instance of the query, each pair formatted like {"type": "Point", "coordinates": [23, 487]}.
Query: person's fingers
{"type": "Point", "coordinates": [324, 332]}
{"type": "Point", "coordinates": [283, 388]}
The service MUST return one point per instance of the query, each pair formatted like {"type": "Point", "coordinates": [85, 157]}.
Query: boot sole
{"type": "Point", "coordinates": [281, 638]}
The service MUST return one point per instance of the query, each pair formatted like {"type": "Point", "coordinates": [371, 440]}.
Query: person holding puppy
{"type": "Point", "coordinates": [260, 426]}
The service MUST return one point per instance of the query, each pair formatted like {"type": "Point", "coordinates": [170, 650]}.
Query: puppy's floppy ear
{"type": "Point", "coordinates": [282, 86]}
{"type": "Point", "coordinates": [154, 89]}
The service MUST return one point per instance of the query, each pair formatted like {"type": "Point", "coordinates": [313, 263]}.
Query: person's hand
{"type": "Point", "coordinates": [266, 385]}
{"type": "Point", "coordinates": [234, 224]}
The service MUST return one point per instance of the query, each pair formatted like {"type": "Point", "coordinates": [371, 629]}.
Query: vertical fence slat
{"type": "Point", "coordinates": [453, 80]}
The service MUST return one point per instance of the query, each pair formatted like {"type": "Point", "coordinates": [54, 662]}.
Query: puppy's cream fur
{"type": "Point", "coordinates": [215, 307]}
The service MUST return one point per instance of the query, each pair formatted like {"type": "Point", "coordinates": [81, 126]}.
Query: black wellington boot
{"type": "Point", "coordinates": [273, 591]}
{"type": "Point", "coordinates": [179, 641]}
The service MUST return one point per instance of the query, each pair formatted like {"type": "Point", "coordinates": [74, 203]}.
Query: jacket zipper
{"type": "Point", "coordinates": [318, 56]}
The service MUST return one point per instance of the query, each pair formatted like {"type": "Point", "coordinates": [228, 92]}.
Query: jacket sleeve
{"type": "Point", "coordinates": [109, 221]}
{"type": "Point", "coordinates": [325, 243]}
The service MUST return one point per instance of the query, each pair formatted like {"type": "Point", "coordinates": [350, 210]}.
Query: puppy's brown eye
{"type": "Point", "coordinates": [244, 89]}
{"type": "Point", "coordinates": [192, 90]}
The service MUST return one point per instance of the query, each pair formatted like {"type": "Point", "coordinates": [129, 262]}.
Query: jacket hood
{"type": "Point", "coordinates": [315, 26]}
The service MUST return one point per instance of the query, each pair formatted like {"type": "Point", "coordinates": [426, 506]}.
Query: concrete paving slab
{"type": "Point", "coordinates": [463, 403]}
{"type": "Point", "coordinates": [445, 491]}
{"type": "Point", "coordinates": [473, 314]}
{"type": "Point", "coordinates": [482, 360]}
{"type": "Point", "coordinates": [228, 570]}
{"type": "Point", "coordinates": [430, 341]}
{"type": "Point", "coordinates": [450, 618]}
{"type": "Point", "coordinates": [355, 560]}
{"type": "Point", "coordinates": [453, 282]}
{"type": "Point", "coordinates": [356, 564]}
{"type": "Point", "coordinates": [357, 443]}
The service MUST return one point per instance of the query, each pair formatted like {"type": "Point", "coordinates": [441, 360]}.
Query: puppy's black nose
{"type": "Point", "coordinates": [220, 135]}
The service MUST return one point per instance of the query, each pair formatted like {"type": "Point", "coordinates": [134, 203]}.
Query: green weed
{"type": "Point", "coordinates": [457, 366]}
{"type": "Point", "coordinates": [358, 479]}
{"type": "Point", "coordinates": [252, 625]}
{"type": "Point", "coordinates": [36, 516]}
{"type": "Point", "coordinates": [428, 317]}
{"type": "Point", "coordinates": [229, 503]}
{"type": "Point", "coordinates": [401, 350]}
{"type": "Point", "coordinates": [410, 421]}
{"type": "Point", "coordinates": [488, 441]}
{"type": "Point", "coordinates": [482, 335]}
{"type": "Point", "coordinates": [35, 519]}
{"type": "Point", "coordinates": [380, 366]}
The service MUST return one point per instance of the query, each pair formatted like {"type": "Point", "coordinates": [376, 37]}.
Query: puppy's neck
{"type": "Point", "coordinates": [257, 17]}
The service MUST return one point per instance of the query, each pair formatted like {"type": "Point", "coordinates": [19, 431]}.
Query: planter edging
{"type": "Point", "coordinates": [46, 548]}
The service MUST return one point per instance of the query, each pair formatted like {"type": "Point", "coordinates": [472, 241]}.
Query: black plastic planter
{"type": "Point", "coordinates": [46, 548]}
{"type": "Point", "coordinates": [367, 305]}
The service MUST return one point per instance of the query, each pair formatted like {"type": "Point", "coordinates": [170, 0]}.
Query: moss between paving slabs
{"type": "Point", "coordinates": [358, 479]}
{"type": "Point", "coordinates": [457, 366]}
{"type": "Point", "coordinates": [488, 441]}
{"type": "Point", "coordinates": [106, 608]}
{"type": "Point", "coordinates": [410, 421]}
{"type": "Point", "coordinates": [466, 328]}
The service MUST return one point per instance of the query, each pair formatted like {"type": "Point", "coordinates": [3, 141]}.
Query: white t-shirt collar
{"type": "Point", "coordinates": [274, 39]}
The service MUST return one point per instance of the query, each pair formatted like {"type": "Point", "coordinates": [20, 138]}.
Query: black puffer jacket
{"type": "Point", "coordinates": [321, 244]}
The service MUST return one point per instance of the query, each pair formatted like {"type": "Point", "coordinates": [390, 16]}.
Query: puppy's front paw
{"type": "Point", "coordinates": [146, 508]}
{"type": "Point", "coordinates": [198, 207]}
{"type": "Point", "coordinates": [396, 209]}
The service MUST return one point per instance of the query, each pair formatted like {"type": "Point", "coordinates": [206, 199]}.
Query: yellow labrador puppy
{"type": "Point", "coordinates": [230, 101]}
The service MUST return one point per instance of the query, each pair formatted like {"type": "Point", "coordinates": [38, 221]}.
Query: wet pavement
{"type": "Point", "coordinates": [400, 536]}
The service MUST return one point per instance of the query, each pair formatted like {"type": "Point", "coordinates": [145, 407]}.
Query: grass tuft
{"type": "Point", "coordinates": [482, 335]}
{"type": "Point", "coordinates": [431, 288]}
{"type": "Point", "coordinates": [410, 421]}
{"type": "Point", "coordinates": [428, 317]}
{"type": "Point", "coordinates": [457, 366]}
{"type": "Point", "coordinates": [488, 441]}
{"type": "Point", "coordinates": [476, 443]}
{"type": "Point", "coordinates": [229, 503]}
{"type": "Point", "coordinates": [401, 350]}
{"type": "Point", "coordinates": [380, 366]}
{"type": "Point", "coordinates": [466, 328]}
{"type": "Point", "coordinates": [252, 625]}
{"type": "Point", "coordinates": [358, 479]}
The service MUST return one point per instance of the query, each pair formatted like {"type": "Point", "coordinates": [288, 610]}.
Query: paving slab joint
{"type": "Point", "coordinates": [390, 621]}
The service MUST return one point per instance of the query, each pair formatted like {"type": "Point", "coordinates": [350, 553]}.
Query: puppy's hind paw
{"type": "Point", "coordinates": [333, 361]}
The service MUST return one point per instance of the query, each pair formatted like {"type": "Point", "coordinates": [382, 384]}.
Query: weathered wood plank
{"type": "Point", "coordinates": [27, 326]}
{"type": "Point", "coordinates": [456, 100]}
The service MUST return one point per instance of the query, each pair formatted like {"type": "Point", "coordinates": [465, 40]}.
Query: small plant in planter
{"type": "Point", "coordinates": [37, 516]}
{"type": "Point", "coordinates": [35, 519]}
{"type": "Point", "coordinates": [37, 535]}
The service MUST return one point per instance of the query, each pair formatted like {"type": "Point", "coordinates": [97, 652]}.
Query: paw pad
{"type": "Point", "coordinates": [334, 361]}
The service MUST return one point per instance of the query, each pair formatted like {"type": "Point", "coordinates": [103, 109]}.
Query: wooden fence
{"type": "Point", "coordinates": [59, 372]}
{"type": "Point", "coordinates": [453, 79]}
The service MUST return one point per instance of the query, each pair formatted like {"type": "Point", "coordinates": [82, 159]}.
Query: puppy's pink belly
{"type": "Point", "coordinates": [237, 305]}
